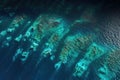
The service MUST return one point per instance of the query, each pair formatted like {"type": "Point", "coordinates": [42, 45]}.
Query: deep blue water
{"type": "Point", "coordinates": [104, 23]}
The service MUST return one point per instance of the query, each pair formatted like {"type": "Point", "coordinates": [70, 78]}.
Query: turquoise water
{"type": "Point", "coordinates": [59, 40]}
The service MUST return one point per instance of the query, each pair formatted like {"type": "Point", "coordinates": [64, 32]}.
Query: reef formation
{"type": "Point", "coordinates": [51, 36]}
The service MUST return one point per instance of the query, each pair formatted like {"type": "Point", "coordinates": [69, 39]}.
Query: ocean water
{"type": "Point", "coordinates": [59, 40]}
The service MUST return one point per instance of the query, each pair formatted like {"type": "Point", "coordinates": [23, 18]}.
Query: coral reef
{"type": "Point", "coordinates": [73, 47]}
{"type": "Point", "coordinates": [93, 52]}
{"type": "Point", "coordinates": [43, 37]}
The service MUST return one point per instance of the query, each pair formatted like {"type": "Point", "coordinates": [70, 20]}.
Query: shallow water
{"type": "Point", "coordinates": [61, 40]}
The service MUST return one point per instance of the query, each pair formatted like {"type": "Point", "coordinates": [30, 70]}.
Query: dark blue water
{"type": "Point", "coordinates": [104, 24]}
